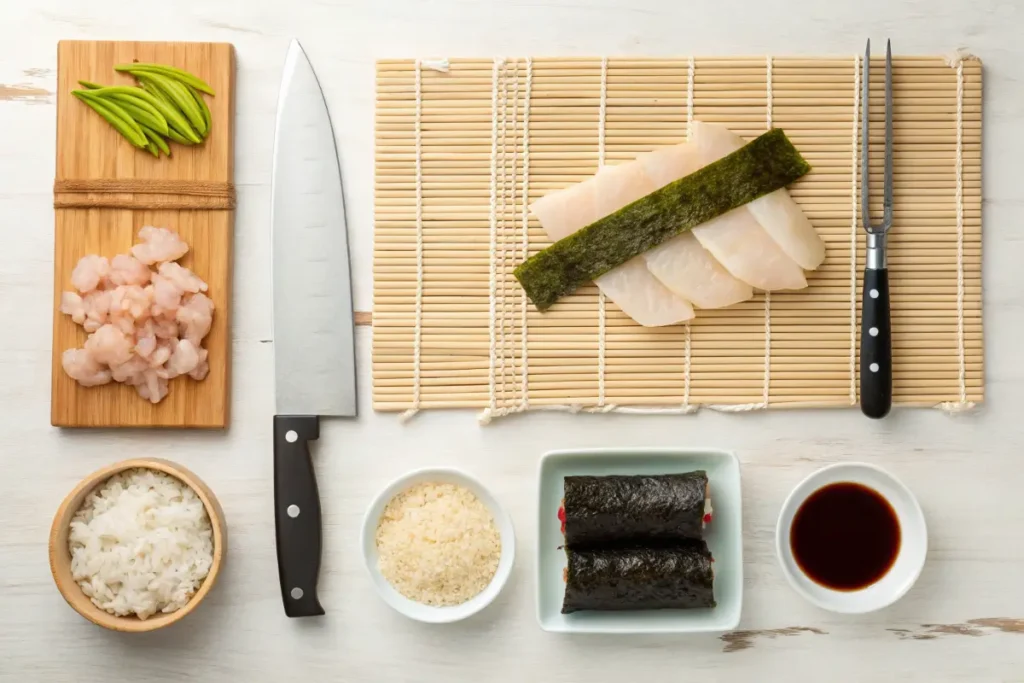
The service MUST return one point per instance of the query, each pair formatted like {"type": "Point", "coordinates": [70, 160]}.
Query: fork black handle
{"type": "Point", "coordinates": [875, 345]}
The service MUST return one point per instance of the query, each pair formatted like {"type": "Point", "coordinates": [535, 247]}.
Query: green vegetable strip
{"type": "Point", "coordinates": [762, 166]}
{"type": "Point", "coordinates": [102, 108]}
{"type": "Point", "coordinates": [144, 113]}
{"type": "Point", "coordinates": [176, 94]}
{"type": "Point", "coordinates": [168, 71]}
{"type": "Point", "coordinates": [156, 139]}
{"type": "Point", "coordinates": [168, 111]}
{"type": "Point", "coordinates": [174, 117]}
{"type": "Point", "coordinates": [207, 116]}
{"type": "Point", "coordinates": [178, 137]}
{"type": "Point", "coordinates": [89, 85]}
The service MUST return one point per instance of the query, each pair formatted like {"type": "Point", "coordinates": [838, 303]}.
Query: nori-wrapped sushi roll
{"type": "Point", "coordinates": [672, 576]}
{"type": "Point", "coordinates": [635, 508]}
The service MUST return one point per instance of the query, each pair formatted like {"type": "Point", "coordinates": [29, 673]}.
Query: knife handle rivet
{"type": "Point", "coordinates": [873, 293]}
{"type": "Point", "coordinates": [873, 331]}
{"type": "Point", "coordinates": [296, 593]}
{"type": "Point", "coordinates": [293, 511]}
{"type": "Point", "coordinates": [291, 436]}
{"type": "Point", "coordinates": [873, 367]}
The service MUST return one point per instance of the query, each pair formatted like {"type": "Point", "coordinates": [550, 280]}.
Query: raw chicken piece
{"type": "Point", "coordinates": [89, 273]}
{"type": "Point", "coordinates": [97, 309]}
{"type": "Point", "coordinates": [161, 354]}
{"type": "Point", "coordinates": [777, 213]}
{"type": "Point", "coordinates": [202, 368]}
{"type": "Point", "coordinates": [159, 244]}
{"type": "Point", "coordinates": [129, 372]}
{"type": "Point", "coordinates": [81, 367]}
{"type": "Point", "coordinates": [165, 328]}
{"type": "Point", "coordinates": [72, 304]}
{"type": "Point", "coordinates": [153, 387]}
{"type": "Point", "coordinates": [183, 360]}
{"type": "Point", "coordinates": [631, 285]}
{"type": "Point", "coordinates": [128, 270]}
{"type": "Point", "coordinates": [195, 318]}
{"type": "Point", "coordinates": [145, 346]}
{"type": "Point", "coordinates": [166, 294]}
{"type": "Point", "coordinates": [131, 300]}
{"type": "Point", "coordinates": [109, 345]}
{"type": "Point", "coordinates": [183, 278]}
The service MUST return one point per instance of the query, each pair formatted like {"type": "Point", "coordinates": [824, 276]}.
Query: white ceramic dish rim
{"type": "Point", "coordinates": [850, 602]}
{"type": "Point", "coordinates": [410, 608]}
{"type": "Point", "coordinates": [618, 451]}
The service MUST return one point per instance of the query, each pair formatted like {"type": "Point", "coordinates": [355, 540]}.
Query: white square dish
{"type": "Point", "coordinates": [724, 537]}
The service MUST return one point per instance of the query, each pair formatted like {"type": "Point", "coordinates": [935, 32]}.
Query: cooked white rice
{"type": "Point", "coordinates": [437, 544]}
{"type": "Point", "coordinates": [141, 544]}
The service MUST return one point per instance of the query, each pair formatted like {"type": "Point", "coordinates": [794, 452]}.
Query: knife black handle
{"type": "Point", "coordinates": [875, 345]}
{"type": "Point", "coordinates": [297, 514]}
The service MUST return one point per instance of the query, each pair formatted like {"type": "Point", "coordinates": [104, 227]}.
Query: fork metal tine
{"type": "Point", "coordinates": [887, 183]}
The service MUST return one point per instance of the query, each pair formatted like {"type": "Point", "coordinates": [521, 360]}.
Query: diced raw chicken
{"type": "Point", "coordinates": [195, 318]}
{"type": "Point", "coordinates": [158, 245]}
{"type": "Point", "coordinates": [202, 368]}
{"type": "Point", "coordinates": [631, 286]}
{"type": "Point", "coordinates": [144, 327]}
{"type": "Point", "coordinates": [81, 367]}
{"type": "Point", "coordinates": [72, 304]}
{"type": "Point", "coordinates": [166, 294]}
{"type": "Point", "coordinates": [153, 387]}
{"type": "Point", "coordinates": [109, 345]}
{"type": "Point", "coordinates": [777, 213]}
{"type": "Point", "coordinates": [128, 270]}
{"type": "Point", "coordinates": [689, 270]}
{"type": "Point", "coordinates": [89, 273]}
{"type": "Point", "coordinates": [183, 360]}
{"type": "Point", "coordinates": [183, 278]}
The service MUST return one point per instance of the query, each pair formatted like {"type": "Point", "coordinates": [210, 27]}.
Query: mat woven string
{"type": "Point", "coordinates": [143, 193]}
{"type": "Point", "coordinates": [463, 146]}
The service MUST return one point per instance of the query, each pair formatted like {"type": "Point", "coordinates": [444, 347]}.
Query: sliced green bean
{"type": "Point", "coordinates": [89, 85]}
{"type": "Point", "coordinates": [169, 112]}
{"type": "Point", "coordinates": [102, 108]}
{"type": "Point", "coordinates": [175, 119]}
{"type": "Point", "coordinates": [169, 71]}
{"type": "Point", "coordinates": [116, 109]}
{"type": "Point", "coordinates": [133, 104]}
{"type": "Point", "coordinates": [178, 137]}
{"type": "Point", "coordinates": [143, 116]}
{"type": "Point", "coordinates": [207, 116]}
{"type": "Point", "coordinates": [175, 92]}
{"type": "Point", "coordinates": [156, 139]}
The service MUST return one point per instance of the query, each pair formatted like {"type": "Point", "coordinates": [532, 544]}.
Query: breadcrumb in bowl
{"type": "Point", "coordinates": [437, 545]}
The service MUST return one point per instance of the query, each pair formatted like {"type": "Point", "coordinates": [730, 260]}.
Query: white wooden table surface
{"type": "Point", "coordinates": [963, 621]}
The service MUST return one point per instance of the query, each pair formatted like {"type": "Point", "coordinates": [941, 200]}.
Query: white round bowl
{"type": "Point", "coordinates": [411, 608]}
{"type": "Point", "coordinates": [913, 540]}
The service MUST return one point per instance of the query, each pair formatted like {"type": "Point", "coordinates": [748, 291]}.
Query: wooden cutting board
{"type": "Point", "coordinates": [89, 149]}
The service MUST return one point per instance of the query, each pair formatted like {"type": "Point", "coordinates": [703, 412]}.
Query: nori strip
{"type": "Point", "coordinates": [761, 166]}
{"type": "Point", "coordinates": [634, 507]}
{"type": "Point", "coordinates": [675, 576]}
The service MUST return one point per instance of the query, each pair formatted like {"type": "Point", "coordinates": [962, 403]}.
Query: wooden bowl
{"type": "Point", "coordinates": [60, 555]}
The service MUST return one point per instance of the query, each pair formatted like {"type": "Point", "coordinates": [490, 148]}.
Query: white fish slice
{"type": "Point", "coordinates": [681, 263]}
{"type": "Point", "coordinates": [631, 286]}
{"type": "Point", "coordinates": [777, 213]}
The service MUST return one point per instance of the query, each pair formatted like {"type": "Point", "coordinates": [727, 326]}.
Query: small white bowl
{"type": "Point", "coordinates": [913, 540]}
{"type": "Point", "coordinates": [411, 608]}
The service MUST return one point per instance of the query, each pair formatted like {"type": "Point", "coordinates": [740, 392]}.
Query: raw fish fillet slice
{"type": "Point", "coordinates": [702, 267]}
{"type": "Point", "coordinates": [631, 286]}
{"type": "Point", "coordinates": [689, 270]}
{"type": "Point", "coordinates": [777, 213]}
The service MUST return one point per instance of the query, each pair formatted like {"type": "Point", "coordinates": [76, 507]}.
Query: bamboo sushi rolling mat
{"type": "Point", "coordinates": [463, 146]}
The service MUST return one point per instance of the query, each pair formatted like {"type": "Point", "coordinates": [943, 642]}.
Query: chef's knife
{"type": "Point", "coordinates": [314, 355]}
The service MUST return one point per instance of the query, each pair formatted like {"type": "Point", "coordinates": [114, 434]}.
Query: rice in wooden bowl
{"type": "Point", "coordinates": [137, 545]}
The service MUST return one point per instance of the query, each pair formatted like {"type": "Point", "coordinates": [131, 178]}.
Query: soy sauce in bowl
{"type": "Point", "coordinates": [845, 536]}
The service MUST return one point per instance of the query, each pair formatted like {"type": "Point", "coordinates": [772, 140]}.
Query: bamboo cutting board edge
{"type": "Point", "coordinates": [79, 231]}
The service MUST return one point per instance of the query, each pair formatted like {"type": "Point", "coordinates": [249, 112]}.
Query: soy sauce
{"type": "Point", "coordinates": [845, 536]}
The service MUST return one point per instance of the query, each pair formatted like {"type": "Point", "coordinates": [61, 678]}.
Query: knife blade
{"type": "Point", "coordinates": [314, 350]}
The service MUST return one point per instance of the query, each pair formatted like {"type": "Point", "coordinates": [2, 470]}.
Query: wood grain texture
{"type": "Point", "coordinates": [90, 149]}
